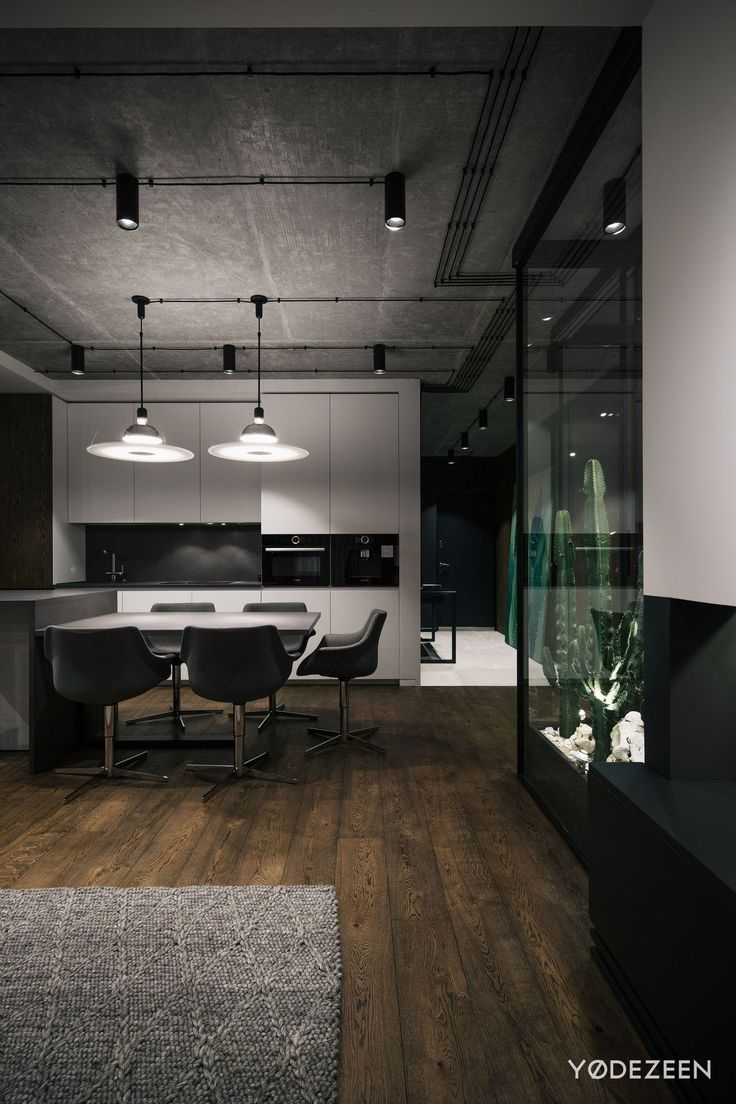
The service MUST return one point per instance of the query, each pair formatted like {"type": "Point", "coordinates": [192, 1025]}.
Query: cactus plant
{"type": "Point", "coordinates": [558, 667]}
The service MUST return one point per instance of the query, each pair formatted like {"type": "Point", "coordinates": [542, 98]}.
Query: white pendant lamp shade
{"type": "Point", "coordinates": [258, 443]}
{"type": "Point", "coordinates": [141, 443]}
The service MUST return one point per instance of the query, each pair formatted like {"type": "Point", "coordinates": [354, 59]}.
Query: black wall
{"type": "Point", "coordinates": [173, 553]}
{"type": "Point", "coordinates": [458, 531]}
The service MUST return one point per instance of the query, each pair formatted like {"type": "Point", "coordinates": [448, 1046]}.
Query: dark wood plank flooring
{"type": "Point", "coordinates": [465, 937]}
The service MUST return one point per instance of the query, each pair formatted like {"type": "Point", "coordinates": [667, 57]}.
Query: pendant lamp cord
{"type": "Point", "coordinates": [140, 356]}
{"type": "Point", "coordinates": [259, 362]}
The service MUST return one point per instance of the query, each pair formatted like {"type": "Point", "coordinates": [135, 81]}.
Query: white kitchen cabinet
{"type": "Point", "coordinates": [316, 599]}
{"type": "Point", "coordinates": [295, 496]}
{"type": "Point", "coordinates": [349, 612]}
{"type": "Point", "coordinates": [100, 491]}
{"type": "Point", "coordinates": [140, 601]}
{"type": "Point", "coordinates": [364, 463]}
{"type": "Point", "coordinates": [170, 492]}
{"type": "Point", "coordinates": [231, 489]}
{"type": "Point", "coordinates": [229, 600]}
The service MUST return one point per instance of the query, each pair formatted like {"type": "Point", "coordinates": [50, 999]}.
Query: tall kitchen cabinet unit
{"type": "Point", "coordinates": [364, 462]}
{"type": "Point", "coordinates": [100, 491]}
{"type": "Point", "coordinates": [231, 490]}
{"type": "Point", "coordinates": [295, 496]}
{"type": "Point", "coordinates": [170, 492]}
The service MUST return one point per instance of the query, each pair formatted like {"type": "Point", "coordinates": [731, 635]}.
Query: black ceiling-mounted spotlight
{"type": "Point", "coordinates": [509, 389]}
{"type": "Point", "coordinates": [126, 201]}
{"type": "Point", "coordinates": [614, 206]}
{"type": "Point", "coordinates": [228, 360]}
{"type": "Point", "coordinates": [394, 193]}
{"type": "Point", "coordinates": [450, 456]}
{"type": "Point", "coordinates": [379, 360]}
{"type": "Point", "coordinates": [77, 352]}
{"type": "Point", "coordinates": [464, 442]}
{"type": "Point", "coordinates": [482, 418]}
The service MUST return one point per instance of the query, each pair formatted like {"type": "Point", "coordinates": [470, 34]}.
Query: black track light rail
{"type": "Point", "coordinates": [274, 348]}
{"type": "Point", "coordinates": [35, 317]}
{"type": "Point", "coordinates": [77, 72]}
{"type": "Point", "coordinates": [346, 299]}
{"type": "Point", "coordinates": [206, 181]}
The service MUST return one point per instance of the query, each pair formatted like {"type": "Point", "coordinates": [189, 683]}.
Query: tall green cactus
{"type": "Point", "coordinates": [558, 668]}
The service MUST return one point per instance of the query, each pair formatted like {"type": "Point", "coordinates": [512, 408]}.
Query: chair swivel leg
{"type": "Point", "coordinates": [240, 767]}
{"type": "Point", "coordinates": [176, 713]}
{"type": "Point", "coordinates": [110, 769]}
{"type": "Point", "coordinates": [276, 712]}
{"type": "Point", "coordinates": [345, 735]}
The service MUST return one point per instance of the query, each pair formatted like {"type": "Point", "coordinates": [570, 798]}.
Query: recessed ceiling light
{"type": "Point", "coordinates": [604, 414]}
{"type": "Point", "coordinates": [547, 318]}
{"type": "Point", "coordinates": [573, 454]}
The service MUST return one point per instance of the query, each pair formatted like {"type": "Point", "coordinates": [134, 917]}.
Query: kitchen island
{"type": "Point", "coordinates": [23, 689]}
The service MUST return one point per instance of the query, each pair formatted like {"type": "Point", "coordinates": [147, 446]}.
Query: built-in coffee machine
{"type": "Point", "coordinates": [365, 559]}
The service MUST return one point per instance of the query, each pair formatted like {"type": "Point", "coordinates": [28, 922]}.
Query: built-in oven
{"type": "Point", "coordinates": [365, 559]}
{"type": "Point", "coordinates": [299, 560]}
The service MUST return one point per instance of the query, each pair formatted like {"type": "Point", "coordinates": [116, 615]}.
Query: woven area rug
{"type": "Point", "coordinates": [221, 994]}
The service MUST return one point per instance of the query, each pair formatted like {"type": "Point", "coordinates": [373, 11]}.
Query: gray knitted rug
{"type": "Point", "coordinates": [222, 994]}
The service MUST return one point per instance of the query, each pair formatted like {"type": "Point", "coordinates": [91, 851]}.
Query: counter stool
{"type": "Point", "coordinates": [296, 645]}
{"type": "Point", "coordinates": [176, 713]}
{"type": "Point", "coordinates": [238, 666]}
{"type": "Point", "coordinates": [104, 667]}
{"type": "Point", "coordinates": [345, 656]}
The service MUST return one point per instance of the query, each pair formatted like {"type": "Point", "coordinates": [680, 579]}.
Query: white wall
{"type": "Point", "coordinates": [689, 220]}
{"type": "Point", "coordinates": [68, 555]}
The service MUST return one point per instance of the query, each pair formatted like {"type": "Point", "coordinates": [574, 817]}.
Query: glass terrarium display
{"type": "Point", "coordinates": [580, 604]}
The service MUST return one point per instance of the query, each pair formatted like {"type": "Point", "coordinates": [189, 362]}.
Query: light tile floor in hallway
{"type": "Point", "coordinates": [483, 659]}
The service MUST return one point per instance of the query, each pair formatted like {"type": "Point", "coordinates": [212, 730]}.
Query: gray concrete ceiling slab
{"type": "Point", "coordinates": [63, 257]}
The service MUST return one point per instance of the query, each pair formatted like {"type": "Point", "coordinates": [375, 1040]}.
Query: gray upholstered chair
{"type": "Point", "coordinates": [176, 713]}
{"type": "Point", "coordinates": [295, 644]}
{"type": "Point", "coordinates": [104, 667]}
{"type": "Point", "coordinates": [238, 666]}
{"type": "Point", "coordinates": [346, 656]}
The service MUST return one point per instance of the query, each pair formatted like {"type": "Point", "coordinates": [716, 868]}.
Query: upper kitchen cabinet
{"type": "Point", "coordinates": [100, 490]}
{"type": "Point", "coordinates": [296, 495]}
{"type": "Point", "coordinates": [170, 492]}
{"type": "Point", "coordinates": [364, 463]}
{"type": "Point", "coordinates": [231, 489]}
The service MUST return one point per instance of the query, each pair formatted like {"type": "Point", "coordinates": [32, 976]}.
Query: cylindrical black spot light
{"type": "Point", "coordinates": [77, 358]}
{"type": "Point", "coordinates": [228, 360]}
{"type": "Point", "coordinates": [450, 456]}
{"type": "Point", "coordinates": [614, 206]}
{"type": "Point", "coordinates": [482, 418]}
{"type": "Point", "coordinates": [509, 389]}
{"type": "Point", "coordinates": [464, 442]}
{"type": "Point", "coordinates": [394, 195]}
{"type": "Point", "coordinates": [379, 360]}
{"type": "Point", "coordinates": [126, 201]}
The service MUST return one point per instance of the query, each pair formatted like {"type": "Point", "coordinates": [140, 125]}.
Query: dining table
{"type": "Point", "coordinates": [60, 728]}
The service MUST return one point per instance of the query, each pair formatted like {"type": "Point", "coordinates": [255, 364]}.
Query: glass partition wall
{"type": "Point", "coordinates": [580, 545]}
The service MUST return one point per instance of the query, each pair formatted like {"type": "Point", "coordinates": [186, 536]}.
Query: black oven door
{"type": "Point", "coordinates": [299, 565]}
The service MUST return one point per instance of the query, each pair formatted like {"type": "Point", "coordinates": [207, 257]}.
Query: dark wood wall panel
{"type": "Point", "coordinates": [25, 491]}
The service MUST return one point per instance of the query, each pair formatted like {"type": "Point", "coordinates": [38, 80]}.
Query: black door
{"type": "Point", "coordinates": [466, 556]}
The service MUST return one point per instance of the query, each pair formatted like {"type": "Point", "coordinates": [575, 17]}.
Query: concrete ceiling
{"type": "Point", "coordinates": [64, 259]}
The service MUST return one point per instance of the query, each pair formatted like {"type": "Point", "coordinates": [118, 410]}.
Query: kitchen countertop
{"type": "Point", "coordinates": [242, 584]}
{"type": "Point", "coordinates": [48, 595]}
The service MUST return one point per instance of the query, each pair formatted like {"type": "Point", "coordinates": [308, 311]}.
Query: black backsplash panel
{"type": "Point", "coordinates": [175, 554]}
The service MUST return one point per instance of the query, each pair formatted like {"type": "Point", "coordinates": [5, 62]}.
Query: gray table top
{"type": "Point", "coordinates": [172, 625]}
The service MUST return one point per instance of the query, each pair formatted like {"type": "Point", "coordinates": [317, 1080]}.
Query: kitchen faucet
{"type": "Point", "coordinates": [115, 574]}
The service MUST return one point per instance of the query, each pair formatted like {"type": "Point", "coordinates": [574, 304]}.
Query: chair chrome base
{"type": "Point", "coordinates": [242, 767]}
{"type": "Point", "coordinates": [278, 713]}
{"type": "Point", "coordinates": [330, 738]}
{"type": "Point", "coordinates": [110, 770]}
{"type": "Point", "coordinates": [176, 713]}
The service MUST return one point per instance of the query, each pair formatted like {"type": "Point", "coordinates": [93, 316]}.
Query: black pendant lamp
{"type": "Point", "coordinates": [258, 442]}
{"type": "Point", "coordinates": [379, 360]}
{"type": "Point", "coordinates": [141, 442]}
{"type": "Point", "coordinates": [228, 360]}
{"type": "Point", "coordinates": [77, 360]}
{"type": "Point", "coordinates": [509, 389]}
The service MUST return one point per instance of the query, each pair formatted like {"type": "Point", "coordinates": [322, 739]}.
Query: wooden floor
{"type": "Point", "coordinates": [465, 938]}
